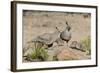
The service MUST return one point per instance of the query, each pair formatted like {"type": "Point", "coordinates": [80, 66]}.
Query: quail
{"type": "Point", "coordinates": [48, 38]}
{"type": "Point", "coordinates": [78, 46]}
{"type": "Point", "coordinates": [66, 34]}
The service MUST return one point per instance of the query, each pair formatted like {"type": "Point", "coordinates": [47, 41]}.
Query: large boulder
{"type": "Point", "coordinates": [71, 54]}
{"type": "Point", "coordinates": [65, 53]}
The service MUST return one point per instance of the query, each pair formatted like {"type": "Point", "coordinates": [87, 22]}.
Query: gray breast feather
{"type": "Point", "coordinates": [66, 35]}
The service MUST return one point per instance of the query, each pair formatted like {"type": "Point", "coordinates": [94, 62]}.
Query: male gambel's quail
{"type": "Point", "coordinates": [66, 34]}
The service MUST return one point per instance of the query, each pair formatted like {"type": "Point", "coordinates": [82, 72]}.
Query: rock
{"type": "Point", "coordinates": [53, 51]}
{"type": "Point", "coordinates": [71, 54]}
{"type": "Point", "coordinates": [28, 49]}
{"type": "Point", "coordinates": [65, 53]}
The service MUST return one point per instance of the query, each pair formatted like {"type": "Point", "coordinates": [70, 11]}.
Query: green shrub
{"type": "Point", "coordinates": [87, 45]}
{"type": "Point", "coordinates": [39, 53]}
